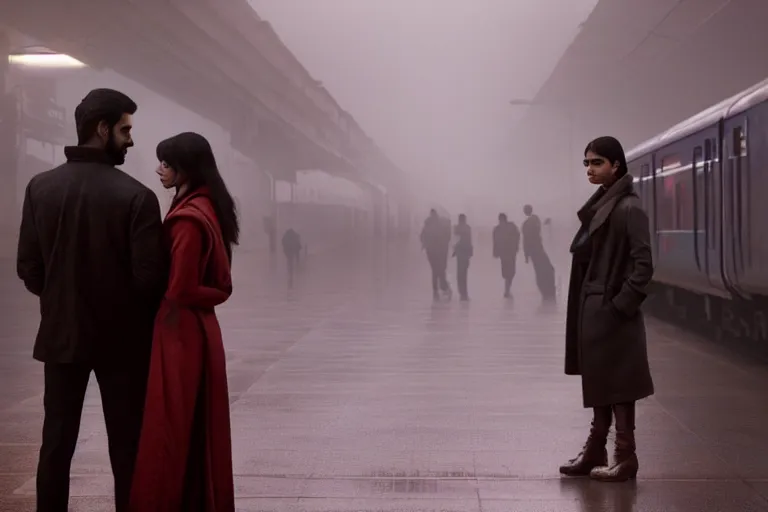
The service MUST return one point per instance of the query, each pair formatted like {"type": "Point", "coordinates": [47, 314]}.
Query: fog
{"type": "Point", "coordinates": [431, 82]}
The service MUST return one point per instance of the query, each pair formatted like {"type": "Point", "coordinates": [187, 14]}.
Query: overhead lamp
{"type": "Point", "coordinates": [45, 60]}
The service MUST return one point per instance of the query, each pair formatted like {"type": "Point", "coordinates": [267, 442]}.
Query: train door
{"type": "Point", "coordinates": [736, 254]}
{"type": "Point", "coordinates": [699, 230]}
{"type": "Point", "coordinates": [754, 206]}
{"type": "Point", "coordinates": [708, 199]}
{"type": "Point", "coordinates": [642, 169]}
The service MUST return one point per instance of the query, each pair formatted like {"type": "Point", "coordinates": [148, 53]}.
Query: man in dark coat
{"type": "Point", "coordinates": [292, 250]}
{"type": "Point", "coordinates": [506, 245]}
{"type": "Point", "coordinates": [533, 249]}
{"type": "Point", "coordinates": [91, 248]}
{"type": "Point", "coordinates": [605, 329]}
{"type": "Point", "coordinates": [436, 241]}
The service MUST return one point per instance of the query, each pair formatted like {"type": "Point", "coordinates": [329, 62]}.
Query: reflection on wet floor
{"type": "Point", "coordinates": [354, 391]}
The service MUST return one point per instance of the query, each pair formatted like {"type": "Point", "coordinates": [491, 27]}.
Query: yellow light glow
{"type": "Point", "coordinates": [45, 60]}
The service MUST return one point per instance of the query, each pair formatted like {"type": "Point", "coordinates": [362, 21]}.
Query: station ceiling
{"type": "Point", "coordinates": [219, 59]}
{"type": "Point", "coordinates": [638, 67]}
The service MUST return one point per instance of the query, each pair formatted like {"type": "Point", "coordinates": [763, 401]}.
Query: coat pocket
{"type": "Point", "coordinates": [599, 320]}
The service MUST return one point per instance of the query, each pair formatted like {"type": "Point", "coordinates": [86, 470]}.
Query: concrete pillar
{"type": "Point", "coordinates": [9, 155]}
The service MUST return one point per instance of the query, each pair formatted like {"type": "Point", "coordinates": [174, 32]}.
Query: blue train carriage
{"type": "Point", "coordinates": [701, 183]}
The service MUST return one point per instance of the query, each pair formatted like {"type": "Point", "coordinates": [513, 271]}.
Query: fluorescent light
{"type": "Point", "coordinates": [45, 60]}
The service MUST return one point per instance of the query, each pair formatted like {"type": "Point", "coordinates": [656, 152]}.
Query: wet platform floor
{"type": "Point", "coordinates": [355, 392]}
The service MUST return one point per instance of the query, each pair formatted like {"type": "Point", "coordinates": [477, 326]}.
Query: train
{"type": "Point", "coordinates": [701, 183]}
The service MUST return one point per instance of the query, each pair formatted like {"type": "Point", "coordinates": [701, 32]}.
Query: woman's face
{"type": "Point", "coordinates": [600, 170]}
{"type": "Point", "coordinates": [168, 176]}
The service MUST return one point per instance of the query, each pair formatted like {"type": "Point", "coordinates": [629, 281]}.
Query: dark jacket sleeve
{"type": "Point", "coordinates": [148, 258]}
{"type": "Point", "coordinates": [633, 290]}
{"type": "Point", "coordinates": [30, 265]}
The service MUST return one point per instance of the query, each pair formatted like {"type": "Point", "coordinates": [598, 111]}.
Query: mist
{"type": "Point", "coordinates": [431, 82]}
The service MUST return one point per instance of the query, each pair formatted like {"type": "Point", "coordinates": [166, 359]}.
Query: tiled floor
{"type": "Point", "coordinates": [355, 392]}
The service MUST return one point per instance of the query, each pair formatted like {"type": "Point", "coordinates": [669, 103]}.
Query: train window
{"type": "Point", "coordinates": [683, 202]}
{"type": "Point", "coordinates": [645, 186]}
{"type": "Point", "coordinates": [666, 208]}
{"type": "Point", "coordinates": [665, 204]}
{"type": "Point", "coordinates": [739, 142]}
{"type": "Point", "coordinates": [670, 162]}
{"type": "Point", "coordinates": [674, 197]}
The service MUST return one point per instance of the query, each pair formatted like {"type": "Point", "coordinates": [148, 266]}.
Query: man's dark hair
{"type": "Point", "coordinates": [100, 105]}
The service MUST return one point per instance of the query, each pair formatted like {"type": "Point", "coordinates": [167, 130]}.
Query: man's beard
{"type": "Point", "coordinates": [116, 153]}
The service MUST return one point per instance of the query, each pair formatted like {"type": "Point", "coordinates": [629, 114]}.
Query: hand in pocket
{"type": "Point", "coordinates": [608, 318]}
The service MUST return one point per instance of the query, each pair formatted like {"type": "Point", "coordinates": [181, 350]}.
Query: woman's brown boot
{"type": "Point", "coordinates": [594, 453]}
{"type": "Point", "coordinates": [625, 464]}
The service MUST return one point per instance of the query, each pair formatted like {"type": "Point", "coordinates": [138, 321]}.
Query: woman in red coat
{"type": "Point", "coordinates": [185, 453]}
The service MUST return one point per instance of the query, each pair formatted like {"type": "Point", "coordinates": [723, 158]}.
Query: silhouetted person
{"type": "Point", "coordinates": [605, 341]}
{"type": "Point", "coordinates": [292, 251]}
{"type": "Point", "coordinates": [91, 247]}
{"type": "Point", "coordinates": [436, 241]}
{"type": "Point", "coordinates": [463, 251]}
{"type": "Point", "coordinates": [506, 245]}
{"type": "Point", "coordinates": [533, 249]}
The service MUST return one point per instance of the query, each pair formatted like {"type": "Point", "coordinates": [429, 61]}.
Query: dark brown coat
{"type": "Point", "coordinates": [605, 329]}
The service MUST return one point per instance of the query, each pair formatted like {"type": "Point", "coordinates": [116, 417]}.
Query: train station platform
{"type": "Point", "coordinates": [353, 391]}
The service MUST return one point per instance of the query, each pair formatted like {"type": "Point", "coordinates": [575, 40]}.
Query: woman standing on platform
{"type": "Point", "coordinates": [185, 452]}
{"type": "Point", "coordinates": [605, 329]}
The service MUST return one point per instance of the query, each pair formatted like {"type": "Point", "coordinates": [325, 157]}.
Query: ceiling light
{"type": "Point", "coordinates": [45, 60]}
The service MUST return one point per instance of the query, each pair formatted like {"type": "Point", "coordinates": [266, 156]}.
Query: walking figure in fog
{"type": "Point", "coordinates": [463, 252]}
{"type": "Point", "coordinates": [533, 249]}
{"type": "Point", "coordinates": [292, 251]}
{"type": "Point", "coordinates": [605, 330]}
{"type": "Point", "coordinates": [506, 245]}
{"type": "Point", "coordinates": [185, 452]}
{"type": "Point", "coordinates": [90, 247]}
{"type": "Point", "coordinates": [436, 241]}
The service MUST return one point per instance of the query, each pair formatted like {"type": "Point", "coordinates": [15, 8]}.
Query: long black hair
{"type": "Point", "coordinates": [191, 155]}
{"type": "Point", "coordinates": [610, 149]}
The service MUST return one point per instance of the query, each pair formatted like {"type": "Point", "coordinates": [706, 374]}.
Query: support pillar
{"type": "Point", "coordinates": [9, 155]}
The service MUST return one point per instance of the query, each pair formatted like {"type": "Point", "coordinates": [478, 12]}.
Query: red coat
{"type": "Point", "coordinates": [188, 370]}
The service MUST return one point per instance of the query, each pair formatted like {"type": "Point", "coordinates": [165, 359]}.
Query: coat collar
{"type": "Point", "coordinates": [87, 154]}
{"type": "Point", "coordinates": [598, 208]}
{"type": "Point", "coordinates": [189, 197]}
